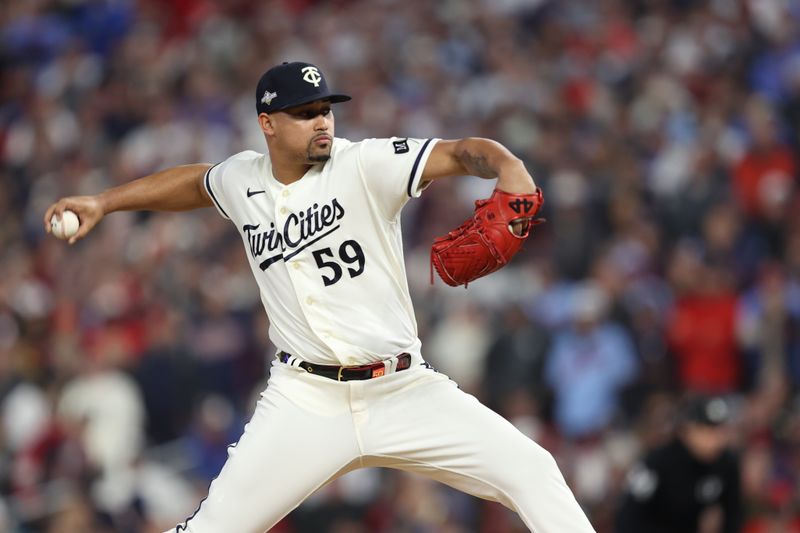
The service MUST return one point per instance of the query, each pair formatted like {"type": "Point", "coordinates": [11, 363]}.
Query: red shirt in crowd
{"type": "Point", "coordinates": [754, 169]}
{"type": "Point", "coordinates": [767, 525]}
{"type": "Point", "coordinates": [702, 337]}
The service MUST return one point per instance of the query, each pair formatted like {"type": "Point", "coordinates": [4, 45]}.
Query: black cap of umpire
{"type": "Point", "coordinates": [707, 410]}
{"type": "Point", "coordinates": [291, 84]}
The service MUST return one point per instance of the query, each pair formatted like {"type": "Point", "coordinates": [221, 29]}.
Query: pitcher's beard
{"type": "Point", "coordinates": [317, 155]}
{"type": "Point", "coordinates": [318, 158]}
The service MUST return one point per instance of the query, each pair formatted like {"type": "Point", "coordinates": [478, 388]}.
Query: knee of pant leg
{"type": "Point", "coordinates": [543, 461]}
{"type": "Point", "coordinates": [533, 464]}
{"type": "Point", "coordinates": [545, 458]}
{"type": "Point", "coordinates": [532, 455]}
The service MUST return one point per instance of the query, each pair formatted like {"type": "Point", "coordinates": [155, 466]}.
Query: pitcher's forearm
{"type": "Point", "coordinates": [489, 159]}
{"type": "Point", "coordinates": [175, 189]}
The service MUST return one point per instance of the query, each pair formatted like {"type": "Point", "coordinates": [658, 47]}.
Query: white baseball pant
{"type": "Point", "coordinates": [308, 430]}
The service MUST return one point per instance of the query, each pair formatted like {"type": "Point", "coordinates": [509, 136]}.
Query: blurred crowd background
{"type": "Point", "coordinates": [666, 136]}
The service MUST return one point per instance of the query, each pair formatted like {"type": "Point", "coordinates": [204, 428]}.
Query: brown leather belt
{"type": "Point", "coordinates": [349, 373]}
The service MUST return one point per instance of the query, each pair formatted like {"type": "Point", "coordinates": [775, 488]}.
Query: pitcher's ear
{"type": "Point", "coordinates": [267, 124]}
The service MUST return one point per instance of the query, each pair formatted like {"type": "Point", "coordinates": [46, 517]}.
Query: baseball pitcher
{"type": "Point", "coordinates": [319, 218]}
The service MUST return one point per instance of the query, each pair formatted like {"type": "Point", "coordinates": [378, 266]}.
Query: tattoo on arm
{"type": "Point", "coordinates": [477, 165]}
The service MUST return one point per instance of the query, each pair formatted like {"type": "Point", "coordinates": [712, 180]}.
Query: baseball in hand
{"type": "Point", "coordinates": [66, 227]}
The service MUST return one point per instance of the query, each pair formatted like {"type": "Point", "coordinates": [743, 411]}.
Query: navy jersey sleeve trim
{"type": "Point", "coordinates": [207, 180]}
{"type": "Point", "coordinates": [413, 175]}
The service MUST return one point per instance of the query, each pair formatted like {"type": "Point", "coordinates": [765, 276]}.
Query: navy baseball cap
{"type": "Point", "coordinates": [291, 84]}
{"type": "Point", "coordinates": [707, 410]}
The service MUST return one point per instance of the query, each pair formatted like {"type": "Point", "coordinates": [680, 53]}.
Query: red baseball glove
{"type": "Point", "coordinates": [486, 241]}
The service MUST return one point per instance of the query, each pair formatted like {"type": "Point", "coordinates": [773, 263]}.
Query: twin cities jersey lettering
{"type": "Point", "coordinates": [326, 250]}
{"type": "Point", "coordinates": [296, 233]}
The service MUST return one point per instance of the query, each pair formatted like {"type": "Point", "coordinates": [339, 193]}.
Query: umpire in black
{"type": "Point", "coordinates": [690, 484]}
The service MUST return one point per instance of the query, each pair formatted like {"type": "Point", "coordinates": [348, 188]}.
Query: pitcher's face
{"type": "Point", "coordinates": [305, 132]}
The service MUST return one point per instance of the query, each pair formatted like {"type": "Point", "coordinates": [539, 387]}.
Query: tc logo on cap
{"type": "Point", "coordinates": [312, 75]}
{"type": "Point", "coordinates": [293, 84]}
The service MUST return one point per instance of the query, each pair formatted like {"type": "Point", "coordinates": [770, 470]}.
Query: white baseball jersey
{"type": "Point", "coordinates": [326, 250]}
{"type": "Point", "coordinates": [327, 255]}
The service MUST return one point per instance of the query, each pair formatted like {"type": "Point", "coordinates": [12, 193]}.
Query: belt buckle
{"type": "Point", "coordinates": [377, 369]}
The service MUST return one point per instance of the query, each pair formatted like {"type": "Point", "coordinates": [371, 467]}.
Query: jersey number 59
{"type": "Point", "coordinates": [350, 252]}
